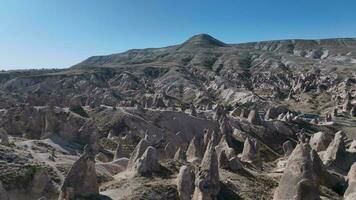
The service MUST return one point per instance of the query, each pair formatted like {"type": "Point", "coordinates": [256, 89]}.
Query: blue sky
{"type": "Point", "coordinates": [61, 33]}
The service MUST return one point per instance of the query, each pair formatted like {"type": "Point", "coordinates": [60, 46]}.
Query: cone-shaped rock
{"type": "Point", "coordinates": [251, 152]}
{"type": "Point", "coordinates": [226, 130]}
{"type": "Point", "coordinates": [170, 150]}
{"type": "Point", "coordinates": [148, 163]}
{"type": "Point", "coordinates": [222, 146]}
{"type": "Point", "coordinates": [180, 155]}
{"type": "Point", "coordinates": [350, 192]}
{"type": "Point", "coordinates": [185, 182]}
{"type": "Point", "coordinates": [223, 160]}
{"type": "Point", "coordinates": [299, 179]}
{"type": "Point", "coordinates": [138, 151]}
{"type": "Point", "coordinates": [207, 182]}
{"type": "Point", "coordinates": [336, 148]}
{"type": "Point", "coordinates": [215, 138]}
{"type": "Point", "coordinates": [320, 141]}
{"type": "Point", "coordinates": [195, 149]}
{"type": "Point", "coordinates": [80, 182]}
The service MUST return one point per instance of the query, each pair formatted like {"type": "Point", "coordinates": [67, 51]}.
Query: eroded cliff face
{"type": "Point", "coordinates": [230, 114]}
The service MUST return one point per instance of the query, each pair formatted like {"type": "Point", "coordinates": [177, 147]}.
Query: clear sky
{"type": "Point", "coordinates": [61, 33]}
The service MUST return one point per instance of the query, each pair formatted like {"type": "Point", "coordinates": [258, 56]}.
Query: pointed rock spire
{"type": "Point", "coordinates": [251, 152]}
{"type": "Point", "coordinates": [226, 130]}
{"type": "Point", "coordinates": [223, 160]}
{"type": "Point", "coordinates": [170, 150]}
{"type": "Point", "coordinates": [215, 138]}
{"type": "Point", "coordinates": [148, 163]}
{"type": "Point", "coordinates": [185, 182]}
{"type": "Point", "coordinates": [350, 192]}
{"type": "Point", "coordinates": [180, 155]}
{"type": "Point", "coordinates": [301, 183]}
{"type": "Point", "coordinates": [195, 149]}
{"type": "Point", "coordinates": [138, 151]}
{"type": "Point", "coordinates": [336, 148]}
{"type": "Point", "coordinates": [207, 181]}
{"type": "Point", "coordinates": [81, 181]}
{"type": "Point", "coordinates": [320, 141]}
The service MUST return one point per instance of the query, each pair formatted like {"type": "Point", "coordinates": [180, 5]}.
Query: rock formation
{"type": "Point", "coordinates": [81, 182]}
{"type": "Point", "coordinates": [207, 137]}
{"type": "Point", "coordinates": [148, 163]}
{"type": "Point", "coordinates": [350, 192]}
{"type": "Point", "coordinates": [232, 164]}
{"type": "Point", "coordinates": [185, 182]}
{"type": "Point", "coordinates": [207, 181]}
{"type": "Point", "coordinates": [251, 152]}
{"type": "Point", "coordinates": [226, 130]}
{"type": "Point", "coordinates": [298, 180]}
{"type": "Point", "coordinates": [138, 151]}
{"type": "Point", "coordinates": [336, 148]}
{"type": "Point", "coordinates": [195, 149]}
{"type": "Point", "coordinates": [180, 155]}
{"type": "Point", "coordinates": [320, 141]}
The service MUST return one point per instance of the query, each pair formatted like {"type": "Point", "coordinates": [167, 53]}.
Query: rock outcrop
{"type": "Point", "coordinates": [251, 152]}
{"type": "Point", "coordinates": [232, 164]}
{"type": "Point", "coordinates": [148, 163]}
{"type": "Point", "coordinates": [185, 182]}
{"type": "Point", "coordinates": [207, 181]}
{"type": "Point", "coordinates": [180, 155]}
{"type": "Point", "coordinates": [298, 181]}
{"type": "Point", "coordinates": [195, 149]}
{"type": "Point", "coordinates": [138, 151]}
{"type": "Point", "coordinates": [320, 141]}
{"type": "Point", "coordinates": [81, 182]}
{"type": "Point", "coordinates": [350, 192]}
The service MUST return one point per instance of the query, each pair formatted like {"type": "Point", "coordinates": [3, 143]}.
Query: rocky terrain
{"type": "Point", "coordinates": [202, 120]}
